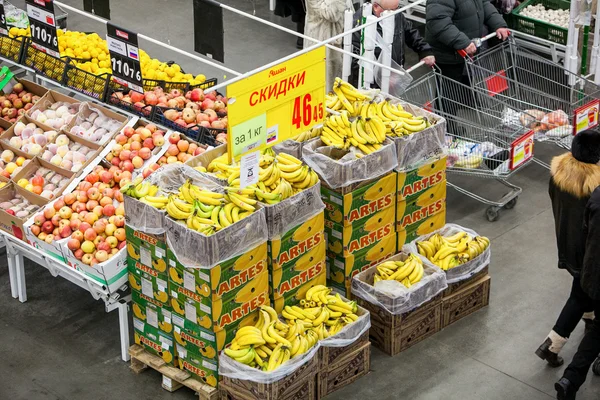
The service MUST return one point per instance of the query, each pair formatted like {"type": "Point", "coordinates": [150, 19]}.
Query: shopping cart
{"type": "Point", "coordinates": [542, 94]}
{"type": "Point", "coordinates": [479, 143]}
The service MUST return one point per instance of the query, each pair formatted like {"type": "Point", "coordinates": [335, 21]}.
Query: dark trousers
{"type": "Point", "coordinates": [577, 304]}
{"type": "Point", "coordinates": [587, 352]}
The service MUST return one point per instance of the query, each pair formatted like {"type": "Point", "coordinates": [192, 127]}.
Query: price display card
{"type": "Point", "coordinates": [124, 57]}
{"type": "Point", "coordinates": [276, 104]}
{"type": "Point", "coordinates": [586, 117]}
{"type": "Point", "coordinates": [3, 28]}
{"type": "Point", "coordinates": [521, 150]}
{"type": "Point", "coordinates": [43, 26]}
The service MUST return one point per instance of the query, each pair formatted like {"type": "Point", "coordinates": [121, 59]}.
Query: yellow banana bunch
{"type": "Point", "coordinates": [273, 342]}
{"type": "Point", "coordinates": [452, 251]}
{"type": "Point", "coordinates": [145, 192]}
{"type": "Point", "coordinates": [208, 212]}
{"type": "Point", "coordinates": [307, 135]}
{"type": "Point", "coordinates": [408, 272]}
{"type": "Point", "coordinates": [280, 176]}
{"type": "Point", "coordinates": [399, 122]}
{"type": "Point", "coordinates": [270, 341]}
{"type": "Point", "coordinates": [321, 313]}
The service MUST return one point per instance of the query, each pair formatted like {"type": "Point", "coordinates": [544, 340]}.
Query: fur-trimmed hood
{"type": "Point", "coordinates": [575, 177]}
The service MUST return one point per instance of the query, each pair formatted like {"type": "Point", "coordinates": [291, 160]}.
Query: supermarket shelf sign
{"type": "Point", "coordinates": [276, 104]}
{"type": "Point", "coordinates": [586, 117]}
{"type": "Point", "coordinates": [3, 28]}
{"type": "Point", "coordinates": [521, 150]}
{"type": "Point", "coordinates": [124, 57]}
{"type": "Point", "coordinates": [43, 26]}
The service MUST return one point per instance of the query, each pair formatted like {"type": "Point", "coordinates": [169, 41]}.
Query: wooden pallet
{"type": "Point", "coordinates": [172, 378]}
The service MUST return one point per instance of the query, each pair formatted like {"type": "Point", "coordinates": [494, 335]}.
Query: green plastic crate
{"type": "Point", "coordinates": [539, 28]}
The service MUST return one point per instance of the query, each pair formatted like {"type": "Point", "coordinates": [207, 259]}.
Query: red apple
{"type": "Point", "coordinates": [39, 220]}
{"type": "Point", "coordinates": [174, 138]}
{"type": "Point", "coordinates": [47, 227]}
{"type": "Point", "coordinates": [73, 244]}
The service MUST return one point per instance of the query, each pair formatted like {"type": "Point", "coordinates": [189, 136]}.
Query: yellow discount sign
{"type": "Point", "coordinates": [276, 104]}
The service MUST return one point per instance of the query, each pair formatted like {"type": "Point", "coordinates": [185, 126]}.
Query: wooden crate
{"type": "Point", "coordinates": [345, 370]}
{"type": "Point", "coordinates": [330, 355]}
{"type": "Point", "coordinates": [299, 385]}
{"type": "Point", "coordinates": [466, 301]}
{"type": "Point", "coordinates": [393, 334]}
{"type": "Point", "coordinates": [172, 378]}
{"type": "Point", "coordinates": [457, 286]}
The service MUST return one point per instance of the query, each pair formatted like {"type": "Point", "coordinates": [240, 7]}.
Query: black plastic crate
{"type": "Point", "coordinates": [43, 63]}
{"type": "Point", "coordinates": [150, 84]}
{"type": "Point", "coordinates": [12, 48]}
{"type": "Point", "coordinates": [111, 98]}
{"type": "Point", "coordinates": [160, 119]}
{"type": "Point", "coordinates": [85, 82]}
{"type": "Point", "coordinates": [205, 136]}
{"type": "Point", "coordinates": [207, 84]}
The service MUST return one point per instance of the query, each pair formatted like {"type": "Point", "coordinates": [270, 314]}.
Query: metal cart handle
{"type": "Point", "coordinates": [417, 65]}
{"type": "Point", "coordinates": [478, 42]}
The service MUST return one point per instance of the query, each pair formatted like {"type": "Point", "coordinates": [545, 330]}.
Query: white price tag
{"type": "Point", "coordinates": [166, 316]}
{"type": "Point", "coordinates": [188, 281]}
{"type": "Point", "coordinates": [147, 288]}
{"type": "Point", "coordinates": [178, 321]}
{"type": "Point", "coordinates": [152, 317]}
{"type": "Point", "coordinates": [190, 312]}
{"type": "Point", "coordinates": [162, 285]}
{"type": "Point", "coordinates": [139, 325]}
{"type": "Point", "coordinates": [249, 167]}
{"type": "Point", "coordinates": [167, 382]}
{"type": "Point", "coordinates": [203, 276]}
{"type": "Point", "coordinates": [145, 256]}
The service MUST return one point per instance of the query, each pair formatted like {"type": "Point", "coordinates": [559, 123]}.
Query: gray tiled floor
{"type": "Point", "coordinates": [62, 345]}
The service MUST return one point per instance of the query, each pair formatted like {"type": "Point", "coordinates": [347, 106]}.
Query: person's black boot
{"type": "Point", "coordinates": [300, 43]}
{"type": "Point", "coordinates": [564, 390]}
{"type": "Point", "coordinates": [543, 352]}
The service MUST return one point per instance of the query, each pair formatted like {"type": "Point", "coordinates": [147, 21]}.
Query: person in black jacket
{"type": "Point", "coordinates": [575, 374]}
{"type": "Point", "coordinates": [404, 33]}
{"type": "Point", "coordinates": [574, 176]}
{"type": "Point", "coordinates": [451, 25]}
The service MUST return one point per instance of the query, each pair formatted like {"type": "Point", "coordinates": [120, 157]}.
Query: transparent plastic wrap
{"type": "Point", "coordinates": [350, 333]}
{"type": "Point", "coordinates": [205, 159]}
{"type": "Point", "coordinates": [91, 124]}
{"type": "Point", "coordinates": [168, 178]}
{"type": "Point", "coordinates": [290, 147]}
{"type": "Point", "coordinates": [463, 271]}
{"type": "Point", "coordinates": [392, 295]}
{"type": "Point", "coordinates": [337, 173]}
{"type": "Point", "coordinates": [142, 217]}
{"type": "Point", "coordinates": [232, 369]}
{"type": "Point", "coordinates": [416, 148]}
{"type": "Point", "coordinates": [345, 337]}
{"type": "Point", "coordinates": [301, 207]}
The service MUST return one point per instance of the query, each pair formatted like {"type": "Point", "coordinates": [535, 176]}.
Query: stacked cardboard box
{"type": "Point", "coordinates": [297, 262]}
{"type": "Point", "coordinates": [210, 304]}
{"type": "Point", "coordinates": [360, 227]}
{"type": "Point", "coordinates": [152, 313]}
{"type": "Point", "coordinates": [421, 207]}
